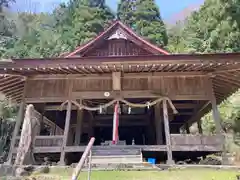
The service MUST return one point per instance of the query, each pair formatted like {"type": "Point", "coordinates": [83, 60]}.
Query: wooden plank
{"type": "Point", "coordinates": [45, 99]}
{"type": "Point", "coordinates": [198, 112]}
{"type": "Point", "coordinates": [167, 133]}
{"type": "Point", "coordinates": [116, 81]}
{"type": "Point", "coordinates": [66, 132]}
{"type": "Point", "coordinates": [187, 88]}
{"type": "Point", "coordinates": [199, 125]}
{"type": "Point", "coordinates": [187, 128]}
{"type": "Point", "coordinates": [206, 148]}
{"type": "Point", "coordinates": [51, 149]}
{"type": "Point", "coordinates": [18, 124]}
{"type": "Point", "coordinates": [123, 117]}
{"type": "Point", "coordinates": [125, 147]}
{"type": "Point", "coordinates": [177, 105]}
{"type": "Point", "coordinates": [190, 139]}
{"type": "Point", "coordinates": [17, 127]}
{"type": "Point", "coordinates": [57, 108]}
{"type": "Point", "coordinates": [134, 94]}
{"type": "Point", "coordinates": [125, 75]}
{"type": "Point", "coordinates": [69, 76]}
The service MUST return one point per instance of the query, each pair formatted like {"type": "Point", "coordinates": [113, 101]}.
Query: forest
{"type": "Point", "coordinates": [213, 28]}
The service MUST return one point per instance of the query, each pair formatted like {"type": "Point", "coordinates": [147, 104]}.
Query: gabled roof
{"type": "Point", "coordinates": [122, 31]}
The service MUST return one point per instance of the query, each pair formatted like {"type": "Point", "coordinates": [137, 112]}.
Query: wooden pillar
{"type": "Point", "coordinates": [78, 131]}
{"type": "Point", "coordinates": [158, 124]}
{"type": "Point", "coordinates": [217, 120]}
{"type": "Point", "coordinates": [199, 125]}
{"type": "Point", "coordinates": [66, 132]}
{"type": "Point", "coordinates": [187, 128]}
{"type": "Point", "coordinates": [167, 133]}
{"type": "Point", "coordinates": [215, 112]}
{"type": "Point", "coordinates": [17, 127]}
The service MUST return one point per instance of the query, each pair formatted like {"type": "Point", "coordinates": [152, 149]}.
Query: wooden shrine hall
{"type": "Point", "coordinates": [159, 94]}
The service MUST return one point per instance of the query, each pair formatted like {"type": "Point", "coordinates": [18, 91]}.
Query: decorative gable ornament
{"type": "Point", "coordinates": [119, 34]}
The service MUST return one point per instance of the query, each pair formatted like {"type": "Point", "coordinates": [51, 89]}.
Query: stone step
{"type": "Point", "coordinates": [118, 159]}
{"type": "Point", "coordinates": [115, 152]}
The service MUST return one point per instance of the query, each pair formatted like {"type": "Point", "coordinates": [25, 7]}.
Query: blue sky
{"type": "Point", "coordinates": [168, 8]}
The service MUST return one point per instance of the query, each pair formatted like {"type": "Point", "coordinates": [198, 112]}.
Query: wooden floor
{"type": "Point", "coordinates": [179, 142]}
{"type": "Point", "coordinates": [151, 148]}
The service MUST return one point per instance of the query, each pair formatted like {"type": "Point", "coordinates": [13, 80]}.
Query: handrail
{"type": "Point", "coordinates": [89, 165]}
{"type": "Point", "coordinates": [82, 160]}
{"type": "Point", "coordinates": [49, 123]}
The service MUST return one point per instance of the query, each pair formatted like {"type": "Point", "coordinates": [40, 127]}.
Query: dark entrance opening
{"type": "Point", "coordinates": [126, 133]}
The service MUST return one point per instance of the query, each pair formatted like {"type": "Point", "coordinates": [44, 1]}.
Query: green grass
{"type": "Point", "coordinates": [183, 174]}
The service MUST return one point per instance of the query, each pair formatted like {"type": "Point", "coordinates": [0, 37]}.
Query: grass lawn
{"type": "Point", "coordinates": [183, 174]}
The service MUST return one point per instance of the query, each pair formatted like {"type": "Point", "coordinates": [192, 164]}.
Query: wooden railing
{"type": "Point", "coordinates": [188, 139]}
{"type": "Point", "coordinates": [44, 141]}
{"type": "Point", "coordinates": [53, 127]}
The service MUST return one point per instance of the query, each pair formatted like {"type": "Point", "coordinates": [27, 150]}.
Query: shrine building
{"type": "Point", "coordinates": [160, 95]}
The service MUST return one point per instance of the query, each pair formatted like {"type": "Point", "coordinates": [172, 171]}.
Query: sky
{"type": "Point", "coordinates": [168, 8]}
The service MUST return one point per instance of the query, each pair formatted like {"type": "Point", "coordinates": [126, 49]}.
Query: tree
{"type": "Point", "coordinates": [176, 38]}
{"type": "Point", "coordinates": [32, 36]}
{"type": "Point", "coordinates": [7, 28]}
{"type": "Point", "coordinates": [214, 28]}
{"type": "Point", "coordinates": [81, 20]}
{"type": "Point", "coordinates": [69, 26]}
{"type": "Point", "coordinates": [5, 4]}
{"type": "Point", "coordinates": [7, 121]}
{"type": "Point", "coordinates": [144, 17]}
{"type": "Point", "coordinates": [125, 12]}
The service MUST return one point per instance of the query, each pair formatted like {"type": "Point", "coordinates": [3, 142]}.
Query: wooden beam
{"type": "Point", "coordinates": [122, 116]}
{"type": "Point", "coordinates": [123, 94]}
{"type": "Point", "coordinates": [13, 80]}
{"type": "Point", "coordinates": [198, 112]}
{"type": "Point", "coordinates": [57, 107]}
{"type": "Point", "coordinates": [165, 74]}
{"type": "Point", "coordinates": [122, 123]}
{"type": "Point", "coordinates": [46, 99]}
{"type": "Point", "coordinates": [66, 132]}
{"type": "Point", "coordinates": [134, 94]}
{"type": "Point", "coordinates": [167, 133]}
{"type": "Point", "coordinates": [177, 105]}
{"type": "Point", "coordinates": [70, 76]}
{"type": "Point", "coordinates": [199, 125]}
{"type": "Point", "coordinates": [125, 75]}
{"type": "Point", "coordinates": [187, 128]}
{"type": "Point", "coordinates": [11, 85]}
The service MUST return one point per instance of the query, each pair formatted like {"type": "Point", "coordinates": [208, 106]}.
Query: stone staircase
{"type": "Point", "coordinates": [116, 155]}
